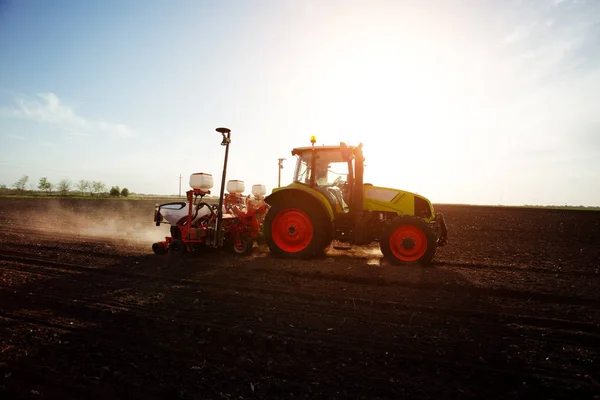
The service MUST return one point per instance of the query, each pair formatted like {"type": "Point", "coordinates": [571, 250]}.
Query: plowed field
{"type": "Point", "coordinates": [510, 310]}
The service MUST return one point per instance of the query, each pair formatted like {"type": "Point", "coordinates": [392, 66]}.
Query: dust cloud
{"type": "Point", "coordinates": [116, 221]}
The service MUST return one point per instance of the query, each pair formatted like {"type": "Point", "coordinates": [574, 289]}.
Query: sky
{"type": "Point", "coordinates": [461, 101]}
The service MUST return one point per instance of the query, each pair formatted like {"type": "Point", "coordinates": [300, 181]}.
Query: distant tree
{"type": "Point", "coordinates": [21, 183]}
{"type": "Point", "coordinates": [125, 192]}
{"type": "Point", "coordinates": [42, 183]}
{"type": "Point", "coordinates": [98, 187]}
{"type": "Point", "coordinates": [45, 185]}
{"type": "Point", "coordinates": [3, 188]}
{"type": "Point", "coordinates": [82, 185]}
{"type": "Point", "coordinates": [115, 191]}
{"type": "Point", "coordinates": [64, 186]}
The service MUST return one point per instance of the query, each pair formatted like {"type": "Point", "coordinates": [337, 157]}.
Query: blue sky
{"type": "Point", "coordinates": [484, 102]}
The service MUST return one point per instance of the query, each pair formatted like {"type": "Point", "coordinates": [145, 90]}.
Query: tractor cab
{"type": "Point", "coordinates": [325, 170]}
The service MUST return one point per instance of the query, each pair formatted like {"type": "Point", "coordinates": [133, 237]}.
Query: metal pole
{"type": "Point", "coordinates": [280, 168]}
{"type": "Point", "coordinates": [279, 174]}
{"type": "Point", "coordinates": [225, 142]}
{"type": "Point", "coordinates": [179, 185]}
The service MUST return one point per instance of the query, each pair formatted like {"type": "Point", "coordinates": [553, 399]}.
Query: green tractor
{"type": "Point", "coordinates": [328, 201]}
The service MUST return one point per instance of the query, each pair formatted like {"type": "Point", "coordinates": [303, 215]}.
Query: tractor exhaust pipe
{"type": "Point", "coordinates": [359, 172]}
{"type": "Point", "coordinates": [226, 141]}
{"type": "Point", "coordinates": [361, 235]}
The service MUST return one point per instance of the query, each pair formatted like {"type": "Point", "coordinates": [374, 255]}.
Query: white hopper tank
{"type": "Point", "coordinates": [173, 215]}
{"type": "Point", "coordinates": [236, 187]}
{"type": "Point", "coordinates": [259, 190]}
{"type": "Point", "coordinates": [201, 181]}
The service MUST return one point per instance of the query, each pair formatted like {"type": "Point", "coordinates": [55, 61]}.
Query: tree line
{"type": "Point", "coordinates": [65, 186]}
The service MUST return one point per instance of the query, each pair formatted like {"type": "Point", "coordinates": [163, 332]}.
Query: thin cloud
{"type": "Point", "coordinates": [15, 137]}
{"type": "Point", "coordinates": [543, 108]}
{"type": "Point", "coordinates": [72, 132]}
{"type": "Point", "coordinates": [519, 33]}
{"type": "Point", "coordinates": [48, 108]}
{"type": "Point", "coordinates": [551, 43]}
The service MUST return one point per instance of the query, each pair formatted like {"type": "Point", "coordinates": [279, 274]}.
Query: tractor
{"type": "Point", "coordinates": [329, 202]}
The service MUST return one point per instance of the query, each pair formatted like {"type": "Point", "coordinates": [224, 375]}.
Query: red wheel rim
{"type": "Point", "coordinates": [408, 243]}
{"type": "Point", "coordinates": [292, 230]}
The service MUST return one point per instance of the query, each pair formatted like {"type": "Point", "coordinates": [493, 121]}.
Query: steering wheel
{"type": "Point", "coordinates": [337, 181]}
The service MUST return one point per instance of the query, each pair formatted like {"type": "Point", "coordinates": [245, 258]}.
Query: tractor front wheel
{"type": "Point", "coordinates": [294, 230]}
{"type": "Point", "coordinates": [408, 239]}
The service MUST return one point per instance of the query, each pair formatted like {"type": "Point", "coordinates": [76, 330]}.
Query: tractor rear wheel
{"type": "Point", "coordinates": [294, 229]}
{"type": "Point", "coordinates": [408, 239]}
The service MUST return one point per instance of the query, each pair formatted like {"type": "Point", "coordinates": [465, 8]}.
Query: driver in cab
{"type": "Point", "coordinates": [321, 174]}
{"type": "Point", "coordinates": [333, 193]}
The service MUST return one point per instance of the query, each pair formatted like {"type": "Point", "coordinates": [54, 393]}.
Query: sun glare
{"type": "Point", "coordinates": [404, 100]}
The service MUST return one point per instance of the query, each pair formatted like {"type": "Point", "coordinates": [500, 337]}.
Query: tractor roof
{"type": "Point", "coordinates": [299, 150]}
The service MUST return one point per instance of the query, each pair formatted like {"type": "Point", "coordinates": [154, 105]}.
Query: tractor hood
{"type": "Point", "coordinates": [378, 198]}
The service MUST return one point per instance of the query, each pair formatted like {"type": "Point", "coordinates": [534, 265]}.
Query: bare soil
{"type": "Point", "coordinates": [510, 310]}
